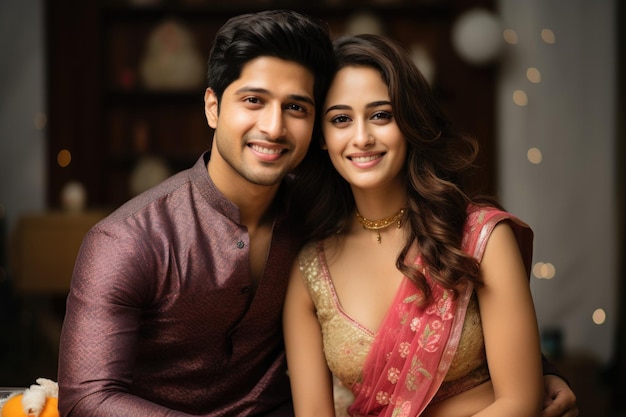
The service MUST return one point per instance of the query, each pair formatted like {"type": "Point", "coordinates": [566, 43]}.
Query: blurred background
{"type": "Point", "coordinates": [100, 100]}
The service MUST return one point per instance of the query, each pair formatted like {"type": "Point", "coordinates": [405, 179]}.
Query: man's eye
{"type": "Point", "coordinates": [252, 100]}
{"type": "Point", "coordinates": [295, 107]}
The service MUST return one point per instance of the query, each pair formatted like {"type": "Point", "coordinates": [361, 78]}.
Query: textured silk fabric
{"type": "Point", "coordinates": [162, 319]}
{"type": "Point", "coordinates": [347, 343]}
{"type": "Point", "coordinates": [469, 366]}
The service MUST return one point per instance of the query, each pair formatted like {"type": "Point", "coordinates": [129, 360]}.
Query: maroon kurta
{"type": "Point", "coordinates": [161, 318]}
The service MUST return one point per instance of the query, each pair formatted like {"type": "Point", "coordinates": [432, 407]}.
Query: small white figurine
{"type": "Point", "coordinates": [171, 60]}
{"type": "Point", "coordinates": [39, 399]}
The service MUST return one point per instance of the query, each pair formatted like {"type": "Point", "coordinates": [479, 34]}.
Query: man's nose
{"type": "Point", "coordinates": [272, 122]}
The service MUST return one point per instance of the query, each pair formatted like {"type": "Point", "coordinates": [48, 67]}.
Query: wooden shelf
{"type": "Point", "coordinates": [96, 99]}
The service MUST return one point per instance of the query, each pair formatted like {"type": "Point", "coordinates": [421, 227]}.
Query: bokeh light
{"type": "Point", "coordinates": [533, 75]}
{"type": "Point", "coordinates": [548, 36]}
{"type": "Point", "coordinates": [534, 156]}
{"type": "Point", "coordinates": [599, 316]}
{"type": "Point", "coordinates": [544, 270]}
{"type": "Point", "coordinates": [520, 98]}
{"type": "Point", "coordinates": [510, 36]}
{"type": "Point", "coordinates": [40, 121]}
{"type": "Point", "coordinates": [64, 157]}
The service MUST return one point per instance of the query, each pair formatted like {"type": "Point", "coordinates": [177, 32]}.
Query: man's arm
{"type": "Point", "coordinates": [100, 330]}
{"type": "Point", "coordinates": [559, 399]}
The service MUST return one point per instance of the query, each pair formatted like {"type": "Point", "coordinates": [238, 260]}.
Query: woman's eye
{"type": "Point", "coordinates": [382, 115]}
{"type": "Point", "coordinates": [340, 119]}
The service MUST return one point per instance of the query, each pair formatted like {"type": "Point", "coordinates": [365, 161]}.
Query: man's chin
{"type": "Point", "coordinates": [267, 180]}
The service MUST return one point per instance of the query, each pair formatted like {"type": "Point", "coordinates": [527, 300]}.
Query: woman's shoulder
{"type": "Point", "coordinates": [309, 260]}
{"type": "Point", "coordinates": [482, 220]}
{"type": "Point", "coordinates": [481, 212]}
{"type": "Point", "coordinates": [314, 273]}
{"type": "Point", "coordinates": [308, 252]}
{"type": "Point", "coordinates": [481, 216]}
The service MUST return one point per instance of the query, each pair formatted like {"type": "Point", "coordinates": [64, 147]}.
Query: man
{"type": "Point", "coordinates": [176, 299]}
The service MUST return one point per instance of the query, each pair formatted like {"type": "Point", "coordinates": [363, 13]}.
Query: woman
{"type": "Point", "coordinates": [413, 294]}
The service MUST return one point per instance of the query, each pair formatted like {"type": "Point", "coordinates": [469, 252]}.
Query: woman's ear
{"type": "Point", "coordinates": [211, 107]}
{"type": "Point", "coordinates": [324, 145]}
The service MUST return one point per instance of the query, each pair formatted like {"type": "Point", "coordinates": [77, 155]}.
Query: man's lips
{"type": "Point", "coordinates": [267, 153]}
{"type": "Point", "coordinates": [266, 150]}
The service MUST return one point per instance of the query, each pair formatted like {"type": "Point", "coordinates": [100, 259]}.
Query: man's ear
{"type": "Point", "coordinates": [211, 107]}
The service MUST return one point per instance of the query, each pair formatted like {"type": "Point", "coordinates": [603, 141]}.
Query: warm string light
{"type": "Point", "coordinates": [534, 156]}
{"type": "Point", "coordinates": [64, 158]}
{"type": "Point", "coordinates": [547, 271]}
{"type": "Point", "coordinates": [548, 36]}
{"type": "Point", "coordinates": [599, 316]}
{"type": "Point", "coordinates": [544, 270]}
{"type": "Point", "coordinates": [533, 75]}
{"type": "Point", "coordinates": [40, 121]}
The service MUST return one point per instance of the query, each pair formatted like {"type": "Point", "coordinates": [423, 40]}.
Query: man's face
{"type": "Point", "coordinates": [264, 125]}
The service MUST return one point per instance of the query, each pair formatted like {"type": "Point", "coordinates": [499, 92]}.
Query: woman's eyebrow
{"type": "Point", "coordinates": [338, 107]}
{"type": "Point", "coordinates": [368, 105]}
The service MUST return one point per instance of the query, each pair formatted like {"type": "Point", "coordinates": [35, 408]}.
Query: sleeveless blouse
{"type": "Point", "coordinates": [346, 342]}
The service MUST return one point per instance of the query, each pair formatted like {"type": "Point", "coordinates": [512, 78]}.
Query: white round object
{"type": "Point", "coordinates": [148, 172]}
{"type": "Point", "coordinates": [171, 60]}
{"type": "Point", "coordinates": [477, 36]}
{"type": "Point", "coordinates": [74, 196]}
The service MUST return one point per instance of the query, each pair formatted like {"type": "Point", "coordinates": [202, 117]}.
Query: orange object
{"type": "Point", "coordinates": [13, 407]}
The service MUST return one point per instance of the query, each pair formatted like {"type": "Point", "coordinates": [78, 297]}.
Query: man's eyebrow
{"type": "Point", "coordinates": [258, 90]}
{"type": "Point", "coordinates": [368, 105]}
{"type": "Point", "coordinates": [305, 99]}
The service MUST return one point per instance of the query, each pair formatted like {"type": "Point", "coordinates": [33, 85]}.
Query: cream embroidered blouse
{"type": "Point", "coordinates": [347, 343]}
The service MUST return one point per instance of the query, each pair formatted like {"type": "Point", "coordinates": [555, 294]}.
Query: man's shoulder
{"type": "Point", "coordinates": [156, 204]}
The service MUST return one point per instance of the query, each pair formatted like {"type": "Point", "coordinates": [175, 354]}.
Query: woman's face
{"type": "Point", "coordinates": [363, 140]}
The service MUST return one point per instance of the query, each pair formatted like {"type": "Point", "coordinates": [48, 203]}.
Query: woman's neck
{"type": "Point", "coordinates": [380, 203]}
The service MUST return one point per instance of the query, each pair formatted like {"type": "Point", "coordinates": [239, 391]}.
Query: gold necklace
{"type": "Point", "coordinates": [377, 225]}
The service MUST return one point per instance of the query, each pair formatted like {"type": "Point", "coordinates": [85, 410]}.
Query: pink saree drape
{"type": "Point", "coordinates": [415, 344]}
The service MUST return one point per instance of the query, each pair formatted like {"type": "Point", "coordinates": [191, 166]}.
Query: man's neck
{"type": "Point", "coordinates": [254, 201]}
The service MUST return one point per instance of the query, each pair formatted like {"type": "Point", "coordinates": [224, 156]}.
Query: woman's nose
{"type": "Point", "coordinates": [363, 136]}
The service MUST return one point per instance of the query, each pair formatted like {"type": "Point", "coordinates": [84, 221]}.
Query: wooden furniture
{"type": "Point", "coordinates": [44, 250]}
{"type": "Point", "coordinates": [96, 100]}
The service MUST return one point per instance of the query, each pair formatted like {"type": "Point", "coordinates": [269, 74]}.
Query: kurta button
{"type": "Point", "coordinates": [240, 244]}
{"type": "Point", "coordinates": [245, 290]}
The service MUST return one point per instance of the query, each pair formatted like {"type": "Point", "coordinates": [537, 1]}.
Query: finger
{"type": "Point", "coordinates": [551, 410]}
{"type": "Point", "coordinates": [559, 409]}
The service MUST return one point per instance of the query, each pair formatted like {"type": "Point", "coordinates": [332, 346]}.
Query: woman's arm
{"type": "Point", "coordinates": [311, 381]}
{"type": "Point", "coordinates": [510, 329]}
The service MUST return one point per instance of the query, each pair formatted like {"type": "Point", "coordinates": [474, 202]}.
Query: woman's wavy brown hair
{"type": "Point", "coordinates": [437, 160]}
